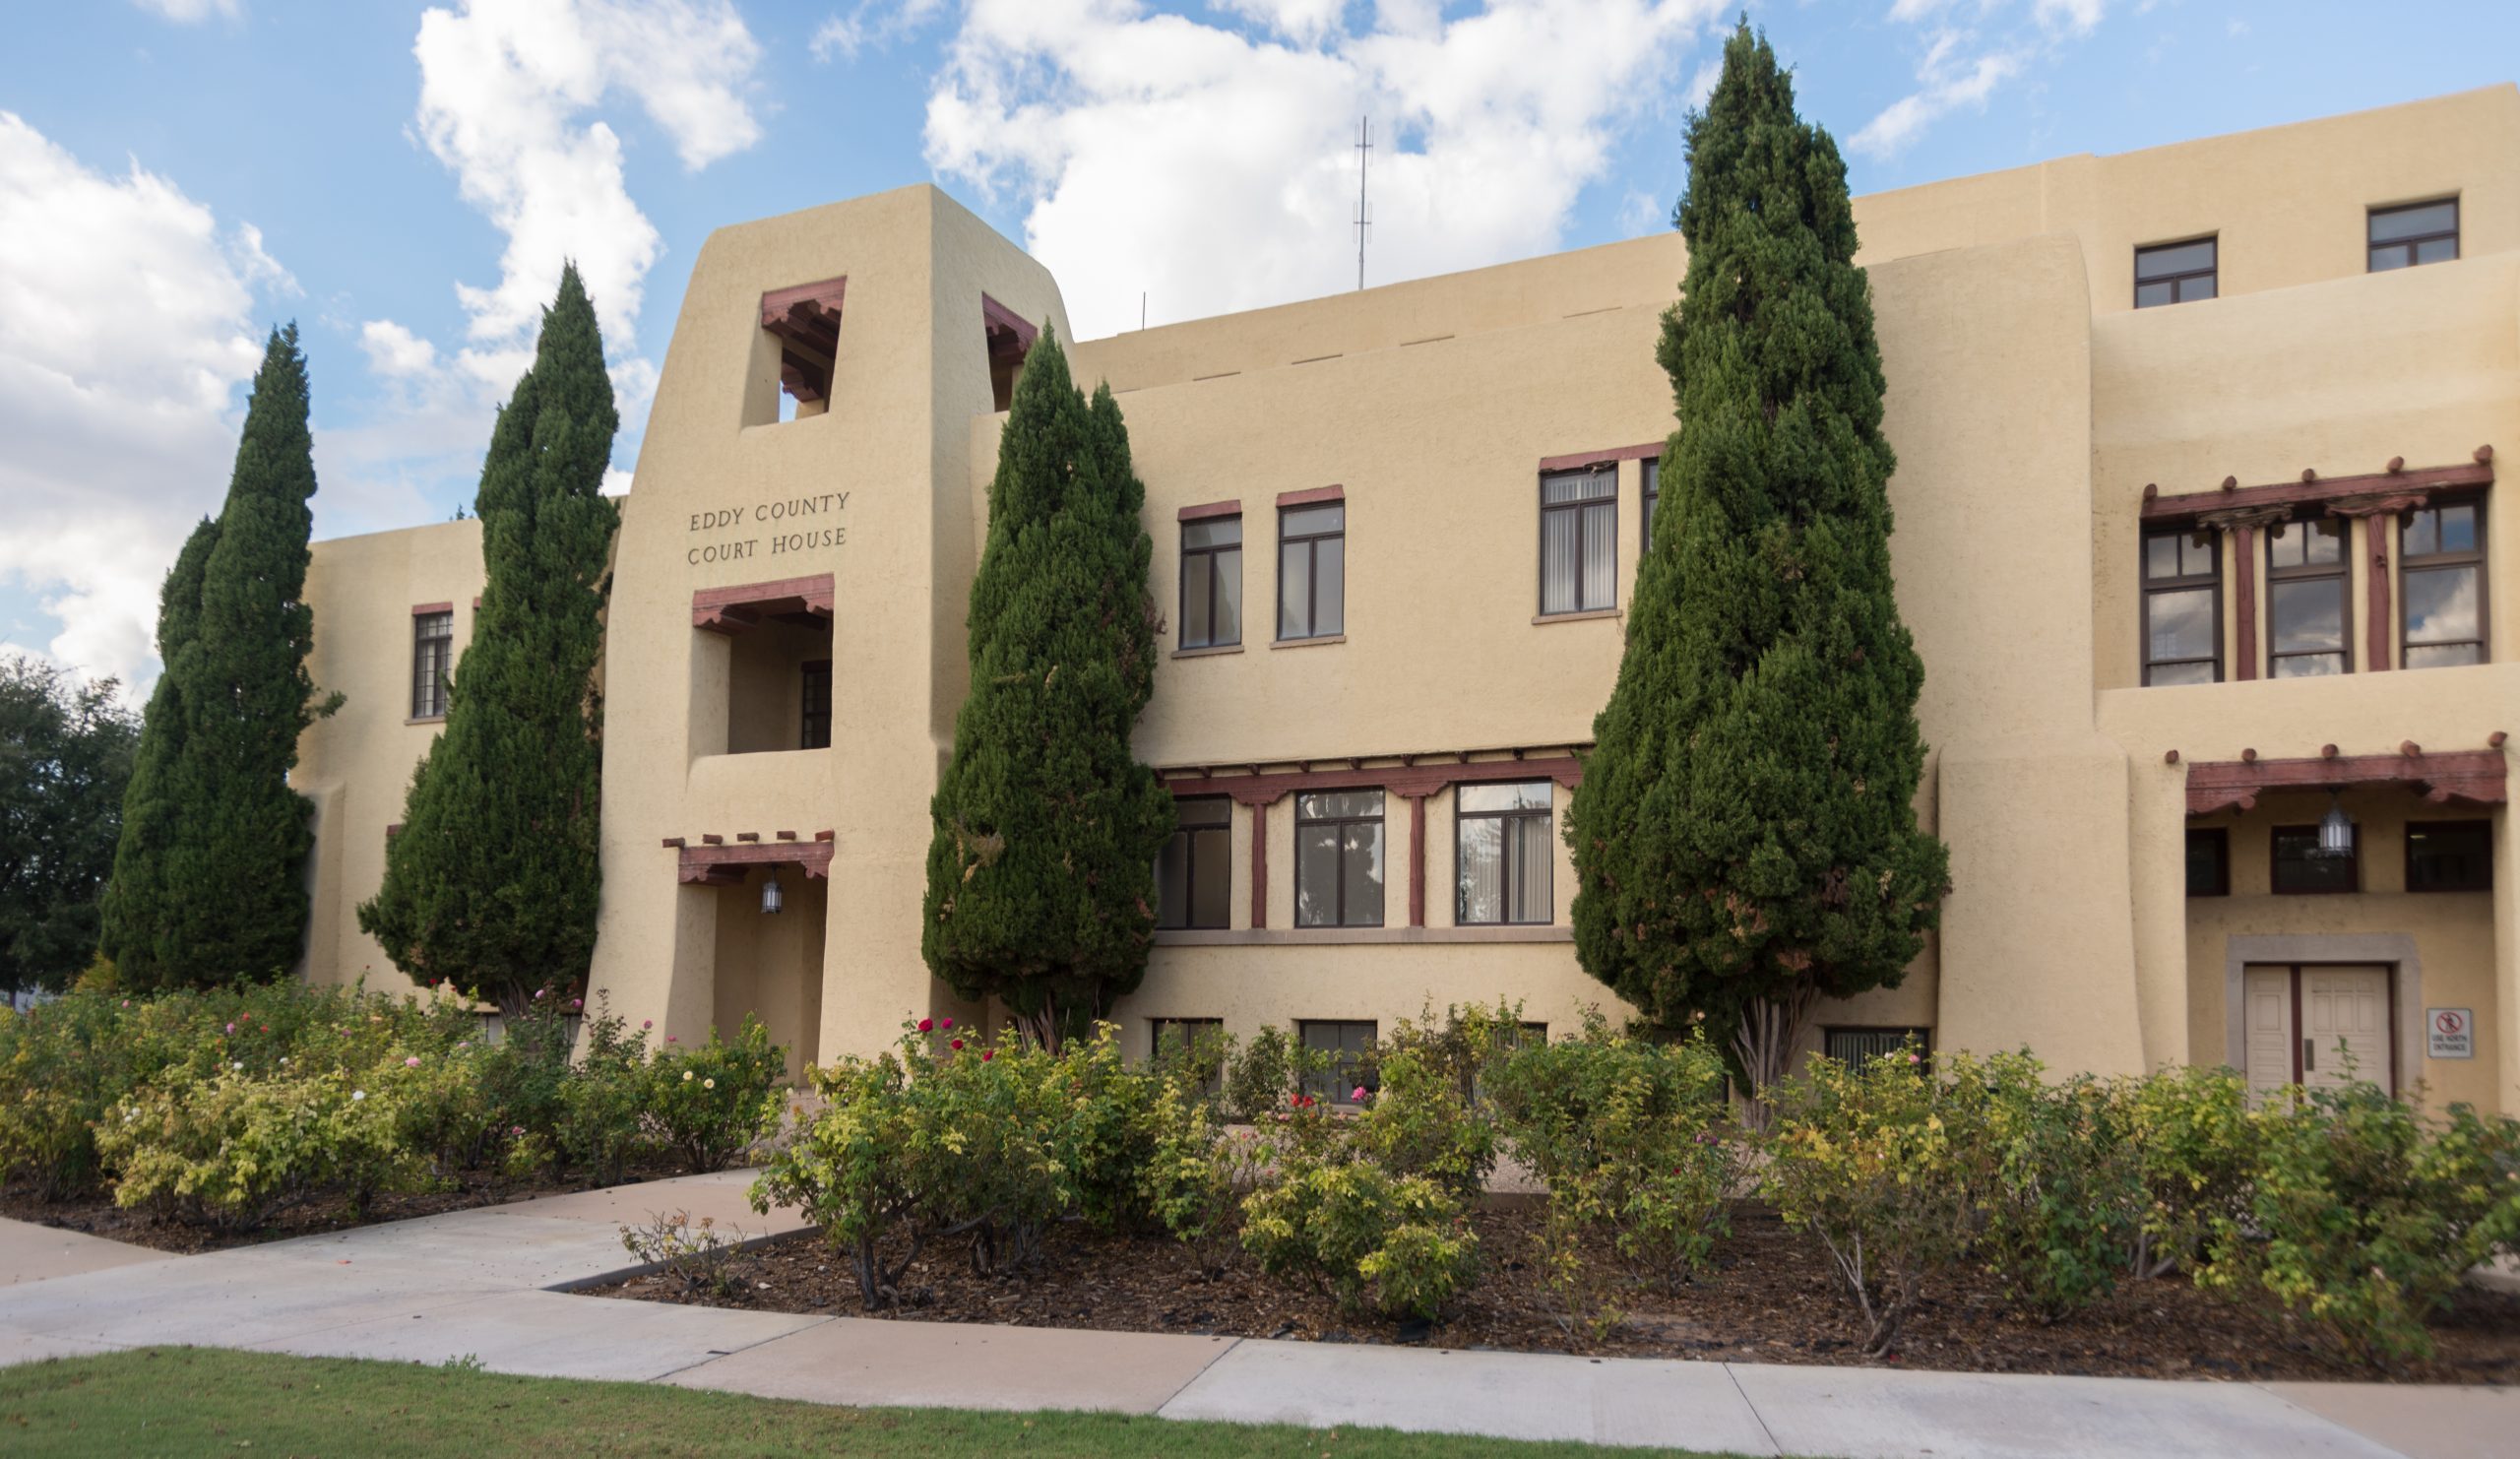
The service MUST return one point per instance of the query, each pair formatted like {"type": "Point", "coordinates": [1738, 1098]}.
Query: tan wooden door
{"type": "Point", "coordinates": [2345, 1026]}
{"type": "Point", "coordinates": [2267, 1014]}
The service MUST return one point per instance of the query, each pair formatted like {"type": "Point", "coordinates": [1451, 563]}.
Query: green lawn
{"type": "Point", "coordinates": [181, 1401]}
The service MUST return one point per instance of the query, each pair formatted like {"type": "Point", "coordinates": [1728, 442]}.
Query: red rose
{"type": "Point", "coordinates": [958, 1043]}
{"type": "Point", "coordinates": [987, 1054]}
{"type": "Point", "coordinates": [926, 1025]}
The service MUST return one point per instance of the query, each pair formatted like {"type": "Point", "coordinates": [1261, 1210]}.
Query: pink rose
{"type": "Point", "coordinates": [413, 1062]}
{"type": "Point", "coordinates": [1357, 1094]}
{"type": "Point", "coordinates": [949, 1023]}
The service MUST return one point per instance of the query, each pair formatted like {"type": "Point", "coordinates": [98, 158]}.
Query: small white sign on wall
{"type": "Point", "coordinates": [2450, 1032]}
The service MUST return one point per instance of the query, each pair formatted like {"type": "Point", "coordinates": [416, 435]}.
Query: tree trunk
{"type": "Point", "coordinates": [1770, 1031]}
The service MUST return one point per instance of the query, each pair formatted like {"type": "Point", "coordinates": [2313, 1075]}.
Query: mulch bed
{"type": "Point", "coordinates": [1772, 1303]}
{"type": "Point", "coordinates": [99, 1216]}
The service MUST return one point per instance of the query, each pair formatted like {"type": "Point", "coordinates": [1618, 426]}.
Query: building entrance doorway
{"type": "Point", "coordinates": [2317, 1025]}
{"type": "Point", "coordinates": [770, 964]}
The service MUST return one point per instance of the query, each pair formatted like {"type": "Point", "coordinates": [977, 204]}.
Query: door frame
{"type": "Point", "coordinates": [2393, 951]}
{"type": "Point", "coordinates": [2389, 977]}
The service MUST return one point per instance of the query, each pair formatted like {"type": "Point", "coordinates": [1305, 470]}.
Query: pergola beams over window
{"type": "Point", "coordinates": [806, 320]}
{"type": "Point", "coordinates": [730, 610]}
{"type": "Point", "coordinates": [2464, 776]}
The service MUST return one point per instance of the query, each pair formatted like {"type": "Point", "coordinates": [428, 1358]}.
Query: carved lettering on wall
{"type": "Point", "coordinates": [781, 527]}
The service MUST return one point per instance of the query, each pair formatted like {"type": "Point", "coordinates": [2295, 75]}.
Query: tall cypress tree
{"type": "Point", "coordinates": [1041, 876]}
{"type": "Point", "coordinates": [494, 879]}
{"type": "Point", "coordinates": [208, 882]}
{"type": "Point", "coordinates": [1744, 838]}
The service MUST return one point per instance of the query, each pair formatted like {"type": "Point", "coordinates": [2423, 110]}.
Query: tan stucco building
{"type": "Point", "coordinates": [2197, 535]}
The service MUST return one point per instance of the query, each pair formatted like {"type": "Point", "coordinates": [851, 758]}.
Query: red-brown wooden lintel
{"type": "Point", "coordinates": [2476, 776]}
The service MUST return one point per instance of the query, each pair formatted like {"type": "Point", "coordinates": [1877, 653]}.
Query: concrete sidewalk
{"type": "Point", "coordinates": [491, 1284]}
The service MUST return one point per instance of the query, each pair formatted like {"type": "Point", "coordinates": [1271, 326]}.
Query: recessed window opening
{"type": "Point", "coordinates": [1854, 1046]}
{"type": "Point", "coordinates": [2449, 855]}
{"type": "Point", "coordinates": [1502, 855]}
{"type": "Point", "coordinates": [2418, 233]}
{"type": "Point", "coordinates": [1010, 338]}
{"type": "Point", "coordinates": [2175, 272]}
{"type": "Point", "coordinates": [1312, 570]}
{"type": "Point", "coordinates": [778, 686]}
{"type": "Point", "coordinates": [1579, 539]}
{"type": "Point", "coordinates": [2308, 598]}
{"type": "Point", "coordinates": [805, 321]}
{"type": "Point", "coordinates": [2441, 575]}
{"type": "Point", "coordinates": [1212, 582]}
{"type": "Point", "coordinates": [2297, 868]}
{"type": "Point", "coordinates": [1652, 498]}
{"type": "Point", "coordinates": [2183, 607]}
{"type": "Point", "coordinates": [1349, 1044]}
{"type": "Point", "coordinates": [1194, 872]}
{"type": "Point", "coordinates": [433, 663]}
{"type": "Point", "coordinates": [2209, 861]}
{"type": "Point", "coordinates": [815, 732]}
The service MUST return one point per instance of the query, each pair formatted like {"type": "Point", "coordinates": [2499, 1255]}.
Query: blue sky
{"type": "Point", "coordinates": [176, 175]}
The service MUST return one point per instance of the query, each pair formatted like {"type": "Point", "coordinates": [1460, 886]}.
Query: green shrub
{"type": "Point", "coordinates": [1869, 1160]}
{"type": "Point", "coordinates": [709, 1105]}
{"type": "Point", "coordinates": [1419, 1120]}
{"type": "Point", "coordinates": [1373, 1241]}
{"type": "Point", "coordinates": [2365, 1221]}
{"type": "Point", "coordinates": [602, 1126]}
{"type": "Point", "coordinates": [1633, 1140]}
{"type": "Point", "coordinates": [2063, 1193]}
{"type": "Point", "coordinates": [231, 1148]}
{"type": "Point", "coordinates": [2196, 1150]}
{"type": "Point", "coordinates": [1265, 1074]}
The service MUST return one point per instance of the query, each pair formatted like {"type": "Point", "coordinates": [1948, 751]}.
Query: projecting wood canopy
{"type": "Point", "coordinates": [2396, 489]}
{"type": "Point", "coordinates": [806, 320]}
{"type": "Point", "coordinates": [714, 863]}
{"type": "Point", "coordinates": [2466, 777]}
{"type": "Point", "coordinates": [732, 609]}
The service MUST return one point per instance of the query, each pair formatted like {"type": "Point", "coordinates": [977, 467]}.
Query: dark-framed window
{"type": "Point", "coordinates": [1501, 857]}
{"type": "Point", "coordinates": [1579, 539]}
{"type": "Point", "coordinates": [2175, 273]}
{"type": "Point", "coordinates": [1181, 1037]}
{"type": "Point", "coordinates": [2309, 598]}
{"type": "Point", "coordinates": [2417, 233]}
{"type": "Point", "coordinates": [2209, 861]}
{"type": "Point", "coordinates": [2183, 607]}
{"type": "Point", "coordinates": [2449, 855]}
{"type": "Point", "coordinates": [1194, 872]}
{"type": "Point", "coordinates": [1339, 856]}
{"type": "Point", "coordinates": [814, 679]}
{"type": "Point", "coordinates": [1506, 1039]}
{"type": "Point", "coordinates": [2441, 579]}
{"type": "Point", "coordinates": [2296, 869]}
{"type": "Point", "coordinates": [1350, 1044]}
{"type": "Point", "coordinates": [1212, 582]}
{"type": "Point", "coordinates": [1854, 1045]}
{"type": "Point", "coordinates": [1650, 492]}
{"type": "Point", "coordinates": [433, 663]}
{"type": "Point", "coordinates": [1312, 570]}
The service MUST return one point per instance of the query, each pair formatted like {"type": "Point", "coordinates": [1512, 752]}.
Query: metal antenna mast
{"type": "Point", "coordinates": [1364, 216]}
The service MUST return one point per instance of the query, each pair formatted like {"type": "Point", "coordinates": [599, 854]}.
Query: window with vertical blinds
{"type": "Point", "coordinates": [433, 663]}
{"type": "Point", "coordinates": [1579, 539]}
{"type": "Point", "coordinates": [1502, 853]}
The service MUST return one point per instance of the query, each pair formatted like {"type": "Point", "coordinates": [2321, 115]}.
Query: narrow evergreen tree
{"type": "Point", "coordinates": [209, 884]}
{"type": "Point", "coordinates": [494, 879]}
{"type": "Point", "coordinates": [1744, 838]}
{"type": "Point", "coordinates": [1040, 877]}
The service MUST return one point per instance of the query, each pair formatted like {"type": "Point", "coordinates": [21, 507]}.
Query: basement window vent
{"type": "Point", "coordinates": [804, 324]}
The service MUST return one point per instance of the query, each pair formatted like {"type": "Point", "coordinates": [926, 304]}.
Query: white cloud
{"type": "Point", "coordinates": [396, 351]}
{"type": "Point", "coordinates": [118, 441]}
{"type": "Point", "coordinates": [185, 12]}
{"type": "Point", "coordinates": [1971, 48]}
{"type": "Point", "coordinates": [871, 23]}
{"type": "Point", "coordinates": [1213, 165]}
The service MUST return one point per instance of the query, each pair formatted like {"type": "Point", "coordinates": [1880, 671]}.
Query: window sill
{"type": "Point", "coordinates": [1320, 936]}
{"type": "Point", "coordinates": [1588, 614]}
{"type": "Point", "coordinates": [425, 720]}
{"type": "Point", "coordinates": [1307, 643]}
{"type": "Point", "coordinates": [1209, 652]}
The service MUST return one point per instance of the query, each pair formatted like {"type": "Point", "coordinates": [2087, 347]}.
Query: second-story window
{"type": "Point", "coordinates": [1339, 859]}
{"type": "Point", "coordinates": [1212, 582]}
{"type": "Point", "coordinates": [1313, 571]}
{"type": "Point", "coordinates": [815, 682]}
{"type": "Point", "coordinates": [2421, 233]}
{"type": "Point", "coordinates": [1579, 541]}
{"type": "Point", "coordinates": [2307, 599]}
{"type": "Point", "coordinates": [1652, 498]}
{"type": "Point", "coordinates": [1502, 853]}
{"type": "Point", "coordinates": [1193, 885]}
{"type": "Point", "coordinates": [2183, 607]}
{"type": "Point", "coordinates": [2175, 273]}
{"type": "Point", "coordinates": [2441, 565]}
{"type": "Point", "coordinates": [433, 663]}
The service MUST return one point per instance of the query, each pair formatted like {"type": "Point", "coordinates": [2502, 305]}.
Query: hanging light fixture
{"type": "Point", "coordinates": [2335, 830]}
{"type": "Point", "coordinates": [773, 901]}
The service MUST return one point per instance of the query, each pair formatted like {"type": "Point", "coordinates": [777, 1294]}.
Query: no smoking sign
{"type": "Point", "coordinates": [2450, 1032]}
